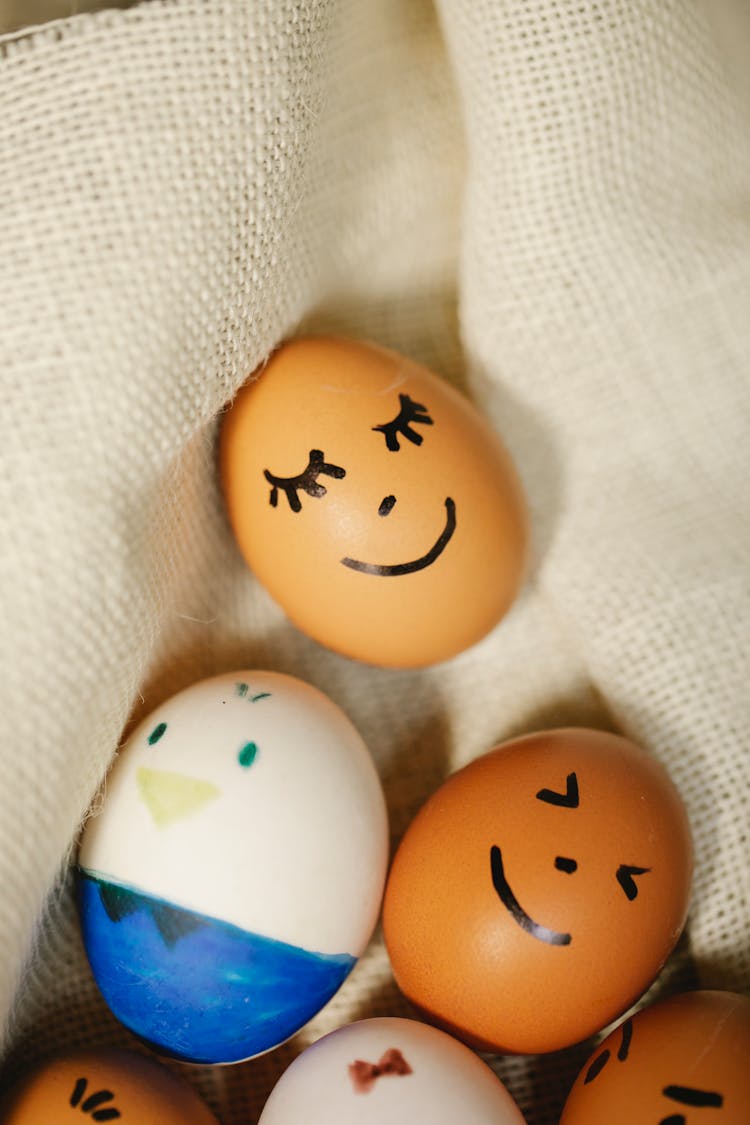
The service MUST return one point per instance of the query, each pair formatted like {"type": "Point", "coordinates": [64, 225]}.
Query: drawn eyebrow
{"type": "Point", "coordinates": [688, 1095]}
{"type": "Point", "coordinates": [410, 412]}
{"type": "Point", "coordinates": [567, 800]}
{"type": "Point", "coordinates": [307, 480]}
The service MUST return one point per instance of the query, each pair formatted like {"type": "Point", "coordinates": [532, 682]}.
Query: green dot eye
{"type": "Point", "coordinates": [247, 755]}
{"type": "Point", "coordinates": [156, 733]}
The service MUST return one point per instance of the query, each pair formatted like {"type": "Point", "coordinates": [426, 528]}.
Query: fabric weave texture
{"type": "Point", "coordinates": [546, 201]}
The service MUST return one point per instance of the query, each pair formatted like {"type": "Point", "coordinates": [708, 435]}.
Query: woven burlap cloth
{"type": "Point", "coordinates": [547, 201]}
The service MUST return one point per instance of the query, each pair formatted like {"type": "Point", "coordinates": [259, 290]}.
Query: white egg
{"type": "Point", "coordinates": [235, 871]}
{"type": "Point", "coordinates": [389, 1071]}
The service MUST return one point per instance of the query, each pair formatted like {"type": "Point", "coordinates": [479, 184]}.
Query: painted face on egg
{"type": "Point", "coordinates": [235, 871]}
{"type": "Point", "coordinates": [103, 1085]}
{"type": "Point", "coordinates": [544, 885]}
{"type": "Point", "coordinates": [682, 1061]}
{"type": "Point", "coordinates": [369, 496]}
{"type": "Point", "coordinates": [389, 1070]}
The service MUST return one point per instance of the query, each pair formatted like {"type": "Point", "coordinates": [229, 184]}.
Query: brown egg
{"type": "Point", "coordinates": [539, 891]}
{"type": "Point", "coordinates": [104, 1085]}
{"type": "Point", "coordinates": [374, 503]}
{"type": "Point", "coordinates": [684, 1061]}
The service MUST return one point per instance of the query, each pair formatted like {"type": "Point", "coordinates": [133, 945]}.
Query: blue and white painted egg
{"type": "Point", "coordinates": [235, 871]}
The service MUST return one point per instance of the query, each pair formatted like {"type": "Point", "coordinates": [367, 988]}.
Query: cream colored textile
{"type": "Point", "coordinates": [547, 201]}
{"type": "Point", "coordinates": [19, 15]}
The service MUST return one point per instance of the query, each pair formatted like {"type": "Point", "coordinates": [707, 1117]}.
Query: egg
{"type": "Point", "coordinates": [235, 870]}
{"type": "Point", "coordinates": [683, 1061]}
{"type": "Point", "coordinates": [103, 1085]}
{"type": "Point", "coordinates": [540, 890]}
{"type": "Point", "coordinates": [389, 1071]}
{"type": "Point", "coordinates": [373, 502]}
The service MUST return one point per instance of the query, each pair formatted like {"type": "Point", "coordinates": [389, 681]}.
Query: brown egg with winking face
{"type": "Point", "coordinates": [539, 891]}
{"type": "Point", "coordinates": [373, 501]}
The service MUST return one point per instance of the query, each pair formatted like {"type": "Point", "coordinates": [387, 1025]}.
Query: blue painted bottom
{"type": "Point", "coordinates": [199, 989]}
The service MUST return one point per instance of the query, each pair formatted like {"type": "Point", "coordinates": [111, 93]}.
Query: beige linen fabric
{"type": "Point", "coordinates": [545, 200]}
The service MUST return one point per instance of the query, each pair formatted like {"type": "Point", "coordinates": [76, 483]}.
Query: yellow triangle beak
{"type": "Point", "coordinates": [172, 796]}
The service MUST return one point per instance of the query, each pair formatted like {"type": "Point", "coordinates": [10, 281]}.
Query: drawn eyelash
{"type": "Point", "coordinates": [306, 480]}
{"type": "Point", "coordinates": [410, 411]}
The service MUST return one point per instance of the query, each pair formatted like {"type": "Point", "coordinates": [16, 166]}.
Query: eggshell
{"type": "Point", "coordinates": [539, 891]}
{"type": "Point", "coordinates": [683, 1061]}
{"type": "Point", "coordinates": [236, 868]}
{"type": "Point", "coordinates": [389, 1071]}
{"type": "Point", "coordinates": [103, 1085]}
{"type": "Point", "coordinates": [403, 537]}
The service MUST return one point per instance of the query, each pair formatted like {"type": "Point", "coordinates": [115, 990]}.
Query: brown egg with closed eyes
{"type": "Point", "coordinates": [103, 1085]}
{"type": "Point", "coordinates": [373, 501]}
{"type": "Point", "coordinates": [540, 890]}
{"type": "Point", "coordinates": [683, 1061]}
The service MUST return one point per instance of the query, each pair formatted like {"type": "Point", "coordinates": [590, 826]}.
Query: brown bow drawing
{"type": "Point", "coordinates": [364, 1074]}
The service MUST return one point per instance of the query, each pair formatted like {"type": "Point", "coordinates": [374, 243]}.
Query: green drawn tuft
{"type": "Point", "coordinates": [241, 690]}
{"type": "Point", "coordinates": [261, 695]}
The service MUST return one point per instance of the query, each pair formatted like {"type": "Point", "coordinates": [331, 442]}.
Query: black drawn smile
{"type": "Point", "coordinates": [514, 908]}
{"type": "Point", "coordinates": [417, 564]}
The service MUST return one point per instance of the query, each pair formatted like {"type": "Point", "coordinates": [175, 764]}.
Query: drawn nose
{"type": "Point", "coordinates": [172, 796]}
{"type": "Point", "coordinates": [386, 504]}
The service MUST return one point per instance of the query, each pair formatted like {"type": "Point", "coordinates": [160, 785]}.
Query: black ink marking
{"type": "Point", "coordinates": [567, 800]}
{"type": "Point", "coordinates": [247, 754]}
{"type": "Point", "coordinates": [688, 1095]}
{"type": "Point", "coordinates": [78, 1091]}
{"type": "Point", "coordinates": [625, 878]}
{"type": "Point", "coordinates": [174, 924]}
{"type": "Point", "coordinates": [117, 902]}
{"type": "Point", "coordinates": [596, 1067]}
{"type": "Point", "coordinates": [512, 905]}
{"type": "Point", "coordinates": [260, 695]}
{"type": "Point", "coordinates": [156, 733]}
{"type": "Point", "coordinates": [241, 690]}
{"type": "Point", "coordinates": [417, 564]}
{"type": "Point", "coordinates": [410, 412]}
{"type": "Point", "coordinates": [97, 1099]}
{"type": "Point", "coordinates": [364, 1074]}
{"type": "Point", "coordinates": [386, 505]}
{"type": "Point", "coordinates": [674, 1119]}
{"type": "Point", "coordinates": [171, 922]}
{"type": "Point", "coordinates": [92, 1103]}
{"type": "Point", "coordinates": [627, 1035]}
{"type": "Point", "coordinates": [601, 1060]}
{"type": "Point", "coordinates": [562, 863]}
{"type": "Point", "coordinates": [307, 480]}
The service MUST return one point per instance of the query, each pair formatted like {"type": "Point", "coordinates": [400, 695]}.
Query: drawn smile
{"type": "Point", "coordinates": [427, 559]}
{"type": "Point", "coordinates": [514, 908]}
